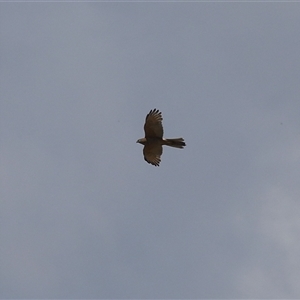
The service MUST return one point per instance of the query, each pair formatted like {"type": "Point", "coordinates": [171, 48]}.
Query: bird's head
{"type": "Point", "coordinates": [142, 141]}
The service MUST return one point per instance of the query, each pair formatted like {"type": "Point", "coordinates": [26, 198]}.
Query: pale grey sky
{"type": "Point", "coordinates": [84, 216]}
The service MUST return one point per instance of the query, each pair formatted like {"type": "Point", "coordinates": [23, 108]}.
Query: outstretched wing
{"type": "Point", "coordinates": [153, 124]}
{"type": "Point", "coordinates": [152, 153]}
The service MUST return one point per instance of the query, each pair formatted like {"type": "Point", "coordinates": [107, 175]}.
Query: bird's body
{"type": "Point", "coordinates": [153, 140]}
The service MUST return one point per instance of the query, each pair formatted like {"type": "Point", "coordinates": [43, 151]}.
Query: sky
{"type": "Point", "coordinates": [82, 215]}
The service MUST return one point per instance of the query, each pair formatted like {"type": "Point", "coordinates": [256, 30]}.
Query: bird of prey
{"type": "Point", "coordinates": [153, 140]}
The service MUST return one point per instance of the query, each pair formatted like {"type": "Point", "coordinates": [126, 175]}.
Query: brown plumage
{"type": "Point", "coordinates": [153, 140]}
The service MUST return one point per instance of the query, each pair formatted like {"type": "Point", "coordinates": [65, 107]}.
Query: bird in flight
{"type": "Point", "coordinates": [153, 140]}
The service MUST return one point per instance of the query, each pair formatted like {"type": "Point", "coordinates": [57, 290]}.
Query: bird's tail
{"type": "Point", "coordinates": [177, 143]}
